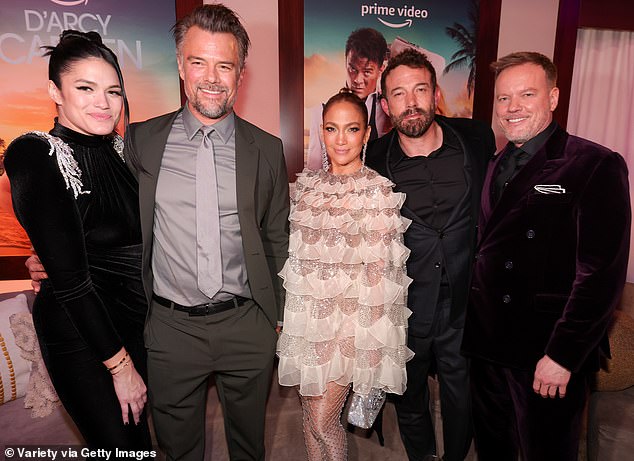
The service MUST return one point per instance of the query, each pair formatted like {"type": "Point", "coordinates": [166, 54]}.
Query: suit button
{"type": "Point", "coordinates": [508, 265]}
{"type": "Point", "coordinates": [530, 234]}
{"type": "Point", "coordinates": [437, 265]}
{"type": "Point", "coordinates": [506, 299]}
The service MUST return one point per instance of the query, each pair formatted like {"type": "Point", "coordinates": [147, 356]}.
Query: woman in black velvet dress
{"type": "Point", "coordinates": [77, 200]}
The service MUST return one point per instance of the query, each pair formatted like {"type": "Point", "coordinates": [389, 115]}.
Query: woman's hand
{"type": "Point", "coordinates": [36, 272]}
{"type": "Point", "coordinates": [128, 385]}
{"type": "Point", "coordinates": [131, 392]}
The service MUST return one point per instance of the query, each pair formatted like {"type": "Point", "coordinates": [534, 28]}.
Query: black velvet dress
{"type": "Point", "coordinates": [90, 245]}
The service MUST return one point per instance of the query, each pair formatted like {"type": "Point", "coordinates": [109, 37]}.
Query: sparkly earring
{"type": "Point", "coordinates": [365, 147]}
{"type": "Point", "coordinates": [324, 158]}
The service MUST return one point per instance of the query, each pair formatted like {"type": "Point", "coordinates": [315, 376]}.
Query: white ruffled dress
{"type": "Point", "coordinates": [345, 317]}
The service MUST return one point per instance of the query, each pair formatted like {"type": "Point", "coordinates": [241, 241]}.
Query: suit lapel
{"type": "Point", "coordinates": [247, 163]}
{"type": "Point", "coordinates": [487, 192]}
{"type": "Point", "coordinates": [150, 139]}
{"type": "Point", "coordinates": [151, 150]}
{"type": "Point", "coordinates": [405, 211]}
{"type": "Point", "coordinates": [468, 171]}
{"type": "Point", "coordinates": [545, 160]}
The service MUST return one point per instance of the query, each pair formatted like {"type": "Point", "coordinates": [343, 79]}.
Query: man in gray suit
{"type": "Point", "coordinates": [210, 254]}
{"type": "Point", "coordinates": [228, 332]}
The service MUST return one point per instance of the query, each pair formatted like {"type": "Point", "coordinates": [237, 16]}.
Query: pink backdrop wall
{"type": "Point", "coordinates": [259, 97]}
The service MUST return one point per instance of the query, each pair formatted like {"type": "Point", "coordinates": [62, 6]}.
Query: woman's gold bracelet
{"type": "Point", "coordinates": [121, 367]}
{"type": "Point", "coordinates": [125, 358]}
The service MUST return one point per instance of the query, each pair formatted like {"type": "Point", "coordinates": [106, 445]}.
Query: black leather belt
{"type": "Point", "coordinates": [202, 309]}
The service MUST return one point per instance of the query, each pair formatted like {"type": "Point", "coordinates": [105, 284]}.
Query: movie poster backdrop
{"type": "Point", "coordinates": [445, 30]}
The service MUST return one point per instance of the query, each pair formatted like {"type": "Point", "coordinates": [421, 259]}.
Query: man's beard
{"type": "Point", "coordinates": [414, 128]}
{"type": "Point", "coordinates": [213, 111]}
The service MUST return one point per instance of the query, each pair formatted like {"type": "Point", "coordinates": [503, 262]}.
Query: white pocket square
{"type": "Point", "coordinates": [549, 189]}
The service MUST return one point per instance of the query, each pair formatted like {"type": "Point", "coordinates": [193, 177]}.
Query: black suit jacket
{"type": "Point", "coordinates": [262, 196]}
{"type": "Point", "coordinates": [431, 249]}
{"type": "Point", "coordinates": [551, 267]}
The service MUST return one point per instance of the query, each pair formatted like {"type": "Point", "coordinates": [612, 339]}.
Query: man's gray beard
{"type": "Point", "coordinates": [516, 140]}
{"type": "Point", "coordinates": [212, 113]}
{"type": "Point", "coordinates": [414, 128]}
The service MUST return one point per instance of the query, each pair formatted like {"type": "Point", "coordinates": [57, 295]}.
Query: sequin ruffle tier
{"type": "Point", "coordinates": [345, 318]}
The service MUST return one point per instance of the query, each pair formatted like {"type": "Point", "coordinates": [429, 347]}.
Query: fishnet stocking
{"type": "Point", "coordinates": [324, 435]}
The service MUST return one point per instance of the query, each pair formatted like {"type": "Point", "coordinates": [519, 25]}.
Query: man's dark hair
{"type": "Point", "coordinates": [410, 58]}
{"type": "Point", "coordinates": [214, 18]}
{"type": "Point", "coordinates": [368, 43]}
{"type": "Point", "coordinates": [526, 57]}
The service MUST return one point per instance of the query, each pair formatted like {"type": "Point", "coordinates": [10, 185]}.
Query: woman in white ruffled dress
{"type": "Point", "coordinates": [345, 316]}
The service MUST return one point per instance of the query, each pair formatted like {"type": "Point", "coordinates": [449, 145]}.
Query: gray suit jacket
{"type": "Point", "coordinates": [263, 204]}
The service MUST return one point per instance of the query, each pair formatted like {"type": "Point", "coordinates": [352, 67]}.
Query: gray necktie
{"type": "Point", "coordinates": [209, 260]}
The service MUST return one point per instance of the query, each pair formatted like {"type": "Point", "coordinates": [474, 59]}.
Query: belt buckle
{"type": "Point", "coordinates": [199, 311]}
{"type": "Point", "coordinates": [211, 308]}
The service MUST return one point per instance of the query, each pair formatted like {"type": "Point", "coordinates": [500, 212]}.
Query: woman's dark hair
{"type": "Point", "coordinates": [346, 95]}
{"type": "Point", "coordinates": [75, 46]}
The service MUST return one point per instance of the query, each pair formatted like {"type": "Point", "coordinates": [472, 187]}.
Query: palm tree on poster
{"type": "Point", "coordinates": [466, 38]}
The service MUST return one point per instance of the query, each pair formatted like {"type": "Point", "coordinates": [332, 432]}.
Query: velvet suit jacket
{"type": "Point", "coordinates": [429, 246]}
{"type": "Point", "coordinates": [550, 268]}
{"type": "Point", "coordinates": [262, 197]}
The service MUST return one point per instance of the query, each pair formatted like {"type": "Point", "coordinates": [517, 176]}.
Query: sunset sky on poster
{"type": "Point", "coordinates": [138, 31]}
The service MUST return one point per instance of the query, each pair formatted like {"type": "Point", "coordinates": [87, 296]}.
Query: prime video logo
{"type": "Point", "coordinates": [70, 2]}
{"type": "Point", "coordinates": [405, 11]}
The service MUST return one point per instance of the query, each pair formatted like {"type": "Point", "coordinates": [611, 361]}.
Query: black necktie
{"type": "Point", "coordinates": [509, 165]}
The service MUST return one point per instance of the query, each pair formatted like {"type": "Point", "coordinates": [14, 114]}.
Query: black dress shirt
{"type": "Point", "coordinates": [433, 184]}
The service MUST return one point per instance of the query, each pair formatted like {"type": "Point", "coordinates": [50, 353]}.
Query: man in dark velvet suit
{"type": "Point", "coordinates": [228, 333]}
{"type": "Point", "coordinates": [439, 163]}
{"type": "Point", "coordinates": [551, 264]}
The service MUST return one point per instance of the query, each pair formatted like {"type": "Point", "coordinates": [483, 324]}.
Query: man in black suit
{"type": "Point", "coordinates": [439, 163]}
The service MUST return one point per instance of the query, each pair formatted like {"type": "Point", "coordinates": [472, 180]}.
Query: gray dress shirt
{"type": "Point", "coordinates": [174, 247]}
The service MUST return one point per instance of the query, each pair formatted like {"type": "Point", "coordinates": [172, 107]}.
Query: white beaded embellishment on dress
{"type": "Point", "coordinates": [66, 163]}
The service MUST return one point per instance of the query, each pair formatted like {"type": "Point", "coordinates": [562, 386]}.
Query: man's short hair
{"type": "Point", "coordinates": [214, 18]}
{"type": "Point", "coordinates": [526, 57]}
{"type": "Point", "coordinates": [368, 43]}
{"type": "Point", "coordinates": [413, 59]}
